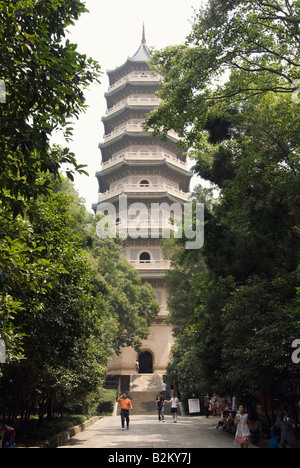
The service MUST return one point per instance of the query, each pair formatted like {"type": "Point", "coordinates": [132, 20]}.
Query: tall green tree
{"type": "Point", "coordinates": [75, 301]}
{"type": "Point", "coordinates": [61, 309]}
{"type": "Point", "coordinates": [256, 43]}
{"type": "Point", "coordinates": [45, 78]}
{"type": "Point", "coordinates": [230, 91]}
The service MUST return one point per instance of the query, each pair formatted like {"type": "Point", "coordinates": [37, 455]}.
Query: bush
{"type": "Point", "coordinates": [32, 432]}
{"type": "Point", "coordinates": [105, 402]}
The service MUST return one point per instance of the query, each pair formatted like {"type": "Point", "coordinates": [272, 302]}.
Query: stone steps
{"type": "Point", "coordinates": [145, 383]}
{"type": "Point", "coordinates": [143, 403]}
{"type": "Point", "coordinates": [143, 391]}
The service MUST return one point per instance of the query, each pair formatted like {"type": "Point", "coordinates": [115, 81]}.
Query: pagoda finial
{"type": "Point", "coordinates": [144, 35]}
{"type": "Point", "coordinates": [142, 54]}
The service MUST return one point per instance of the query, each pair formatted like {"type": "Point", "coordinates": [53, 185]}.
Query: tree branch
{"type": "Point", "coordinates": [260, 69]}
{"type": "Point", "coordinates": [272, 52]}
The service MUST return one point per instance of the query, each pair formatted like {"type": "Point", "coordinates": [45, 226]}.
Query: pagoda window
{"type": "Point", "coordinates": [145, 257]}
{"type": "Point", "coordinates": [144, 183]}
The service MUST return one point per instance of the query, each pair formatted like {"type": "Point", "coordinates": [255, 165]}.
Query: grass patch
{"type": "Point", "coordinates": [32, 433]}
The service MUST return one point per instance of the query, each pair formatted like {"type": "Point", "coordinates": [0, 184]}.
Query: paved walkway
{"type": "Point", "coordinates": [148, 432]}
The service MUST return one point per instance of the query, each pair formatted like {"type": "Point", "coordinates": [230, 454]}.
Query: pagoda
{"type": "Point", "coordinates": [148, 170]}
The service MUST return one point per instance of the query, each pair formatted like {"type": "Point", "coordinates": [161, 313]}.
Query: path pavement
{"type": "Point", "coordinates": [148, 432]}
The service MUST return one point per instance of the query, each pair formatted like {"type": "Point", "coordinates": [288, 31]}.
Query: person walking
{"type": "Point", "coordinates": [206, 406]}
{"type": "Point", "coordinates": [126, 406]}
{"type": "Point", "coordinates": [164, 389]}
{"type": "Point", "coordinates": [287, 427]}
{"type": "Point", "coordinates": [174, 407]}
{"type": "Point", "coordinates": [160, 400]}
{"type": "Point", "coordinates": [242, 434]}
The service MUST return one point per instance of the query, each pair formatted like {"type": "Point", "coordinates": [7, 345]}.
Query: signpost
{"type": "Point", "coordinates": [194, 405]}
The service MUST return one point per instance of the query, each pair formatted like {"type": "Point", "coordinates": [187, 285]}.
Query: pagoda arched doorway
{"type": "Point", "coordinates": [146, 363]}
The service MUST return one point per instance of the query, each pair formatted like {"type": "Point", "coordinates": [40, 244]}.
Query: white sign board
{"type": "Point", "coordinates": [194, 406]}
{"type": "Point", "coordinates": [2, 92]}
{"type": "Point", "coordinates": [2, 352]}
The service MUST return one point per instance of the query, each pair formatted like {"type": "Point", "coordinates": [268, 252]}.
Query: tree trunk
{"type": "Point", "coordinates": [51, 405]}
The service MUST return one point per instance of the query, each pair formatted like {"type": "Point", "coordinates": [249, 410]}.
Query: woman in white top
{"type": "Point", "coordinates": [174, 407]}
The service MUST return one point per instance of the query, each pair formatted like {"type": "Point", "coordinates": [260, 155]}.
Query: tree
{"type": "Point", "coordinates": [45, 78]}
{"type": "Point", "coordinates": [254, 43]}
{"type": "Point", "coordinates": [260, 322]}
{"type": "Point", "coordinates": [131, 304]}
{"type": "Point", "coordinates": [75, 302]}
{"type": "Point", "coordinates": [243, 131]}
{"type": "Point", "coordinates": [61, 312]}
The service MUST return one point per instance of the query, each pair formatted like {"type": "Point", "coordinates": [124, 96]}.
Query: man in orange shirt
{"type": "Point", "coordinates": [126, 406]}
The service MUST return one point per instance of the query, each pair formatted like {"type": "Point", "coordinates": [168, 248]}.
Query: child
{"type": "Point", "coordinates": [242, 434]}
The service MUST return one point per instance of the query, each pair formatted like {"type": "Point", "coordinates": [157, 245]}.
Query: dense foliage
{"type": "Point", "coordinates": [68, 300]}
{"type": "Point", "coordinates": [231, 92]}
{"type": "Point", "coordinates": [45, 78]}
{"type": "Point", "coordinates": [74, 299]}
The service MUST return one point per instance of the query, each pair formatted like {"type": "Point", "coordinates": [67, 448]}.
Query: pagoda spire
{"type": "Point", "coordinates": [142, 54]}
{"type": "Point", "coordinates": [144, 35]}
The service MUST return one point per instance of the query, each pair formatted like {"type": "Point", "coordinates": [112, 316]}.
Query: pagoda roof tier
{"type": "Point", "coordinates": [154, 194]}
{"type": "Point", "coordinates": [152, 153]}
{"type": "Point", "coordinates": [130, 66]}
{"type": "Point", "coordinates": [129, 88]}
{"type": "Point", "coordinates": [137, 62]}
{"type": "Point", "coordinates": [163, 167]}
{"type": "Point", "coordinates": [139, 102]}
{"type": "Point", "coordinates": [141, 242]}
{"type": "Point", "coordinates": [134, 83]}
{"type": "Point", "coordinates": [158, 269]}
{"type": "Point", "coordinates": [152, 275]}
{"type": "Point", "coordinates": [125, 114]}
{"type": "Point", "coordinates": [134, 129]}
{"type": "Point", "coordinates": [125, 139]}
{"type": "Point", "coordinates": [142, 197]}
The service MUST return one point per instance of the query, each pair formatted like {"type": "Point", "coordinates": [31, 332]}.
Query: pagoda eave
{"type": "Point", "coordinates": [130, 65]}
{"type": "Point", "coordinates": [124, 168]}
{"type": "Point", "coordinates": [136, 84]}
{"type": "Point", "coordinates": [137, 135]}
{"type": "Point", "coordinates": [153, 275]}
{"type": "Point", "coordinates": [162, 196]}
{"type": "Point", "coordinates": [127, 108]}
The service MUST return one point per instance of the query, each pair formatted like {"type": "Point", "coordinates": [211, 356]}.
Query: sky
{"type": "Point", "coordinates": [110, 33]}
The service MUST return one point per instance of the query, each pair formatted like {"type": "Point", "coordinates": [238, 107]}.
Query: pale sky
{"type": "Point", "coordinates": [109, 33]}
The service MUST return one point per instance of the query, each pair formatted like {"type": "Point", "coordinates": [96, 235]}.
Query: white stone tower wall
{"type": "Point", "coordinates": [147, 170]}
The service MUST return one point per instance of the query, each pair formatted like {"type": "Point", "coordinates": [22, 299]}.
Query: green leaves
{"type": "Point", "coordinates": [132, 305]}
{"type": "Point", "coordinates": [68, 301]}
{"type": "Point", "coordinates": [229, 91]}
{"type": "Point", "coordinates": [45, 81]}
{"type": "Point", "coordinates": [234, 52]}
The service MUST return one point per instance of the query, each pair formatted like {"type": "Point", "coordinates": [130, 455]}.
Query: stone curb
{"type": "Point", "coordinates": [63, 437]}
